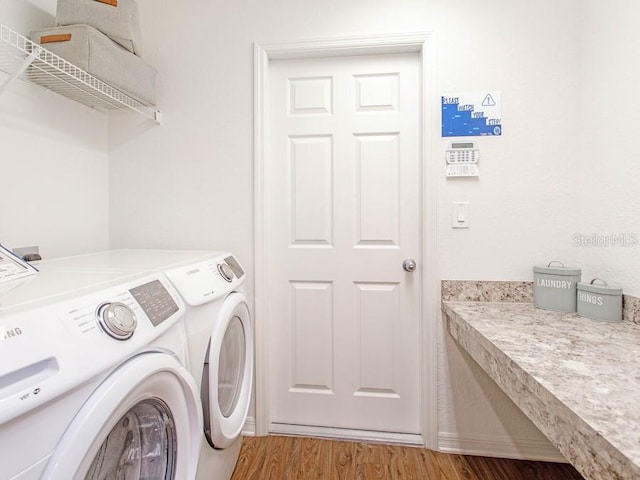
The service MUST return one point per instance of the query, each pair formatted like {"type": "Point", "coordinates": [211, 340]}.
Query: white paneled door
{"type": "Point", "coordinates": [345, 213]}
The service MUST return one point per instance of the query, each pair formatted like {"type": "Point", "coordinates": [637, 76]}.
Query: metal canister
{"type": "Point", "coordinates": [599, 301]}
{"type": "Point", "coordinates": [555, 287]}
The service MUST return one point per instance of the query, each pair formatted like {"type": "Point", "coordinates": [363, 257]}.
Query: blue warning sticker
{"type": "Point", "coordinates": [471, 114]}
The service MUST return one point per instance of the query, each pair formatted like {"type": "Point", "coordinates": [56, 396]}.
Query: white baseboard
{"type": "Point", "coordinates": [485, 446]}
{"type": "Point", "coordinates": [347, 434]}
{"type": "Point", "coordinates": [249, 429]}
{"type": "Point", "coordinates": [522, 449]}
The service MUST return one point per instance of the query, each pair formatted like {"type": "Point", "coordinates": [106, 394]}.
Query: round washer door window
{"type": "Point", "coordinates": [142, 444]}
{"type": "Point", "coordinates": [228, 373]}
{"type": "Point", "coordinates": [143, 421]}
{"type": "Point", "coordinates": [231, 367]}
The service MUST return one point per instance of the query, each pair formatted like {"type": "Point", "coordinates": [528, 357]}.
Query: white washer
{"type": "Point", "coordinates": [74, 390]}
{"type": "Point", "coordinates": [220, 337]}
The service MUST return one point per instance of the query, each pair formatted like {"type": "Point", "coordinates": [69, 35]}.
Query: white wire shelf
{"type": "Point", "coordinates": [22, 58]}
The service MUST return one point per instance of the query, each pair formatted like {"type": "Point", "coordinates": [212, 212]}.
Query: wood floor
{"type": "Point", "coordinates": [278, 457]}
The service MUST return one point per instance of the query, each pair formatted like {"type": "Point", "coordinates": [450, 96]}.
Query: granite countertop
{"type": "Point", "coordinates": [577, 379]}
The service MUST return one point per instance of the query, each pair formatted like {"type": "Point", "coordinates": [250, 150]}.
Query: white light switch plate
{"type": "Point", "coordinates": [460, 215]}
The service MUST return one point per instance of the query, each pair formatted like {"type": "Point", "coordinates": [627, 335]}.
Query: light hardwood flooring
{"type": "Point", "coordinates": [289, 458]}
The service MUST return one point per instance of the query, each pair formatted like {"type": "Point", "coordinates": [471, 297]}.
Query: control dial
{"type": "Point", "coordinates": [117, 320]}
{"type": "Point", "coordinates": [225, 271]}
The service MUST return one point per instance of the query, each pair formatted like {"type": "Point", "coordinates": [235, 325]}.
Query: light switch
{"type": "Point", "coordinates": [460, 217]}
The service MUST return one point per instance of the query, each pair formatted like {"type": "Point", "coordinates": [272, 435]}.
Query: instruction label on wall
{"type": "Point", "coordinates": [471, 114]}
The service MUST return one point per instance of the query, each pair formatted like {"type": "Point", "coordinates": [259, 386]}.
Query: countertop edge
{"type": "Point", "coordinates": [579, 442]}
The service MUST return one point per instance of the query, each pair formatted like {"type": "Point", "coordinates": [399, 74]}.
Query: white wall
{"type": "Point", "coordinates": [561, 184]}
{"type": "Point", "coordinates": [609, 174]}
{"type": "Point", "coordinates": [53, 154]}
{"type": "Point", "coordinates": [521, 205]}
{"type": "Point", "coordinates": [571, 103]}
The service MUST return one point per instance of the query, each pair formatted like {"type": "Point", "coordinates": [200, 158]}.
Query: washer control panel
{"type": "Point", "coordinates": [155, 301]}
{"type": "Point", "coordinates": [117, 320]}
{"type": "Point", "coordinates": [48, 351]}
{"type": "Point", "coordinates": [122, 312]}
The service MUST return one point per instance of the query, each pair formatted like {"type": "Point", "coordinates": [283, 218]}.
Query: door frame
{"type": "Point", "coordinates": [422, 43]}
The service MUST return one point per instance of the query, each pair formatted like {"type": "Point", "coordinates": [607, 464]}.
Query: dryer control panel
{"type": "Point", "coordinates": [208, 280]}
{"type": "Point", "coordinates": [234, 265]}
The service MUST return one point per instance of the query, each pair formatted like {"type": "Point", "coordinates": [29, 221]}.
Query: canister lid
{"type": "Point", "coordinates": [557, 269]}
{"type": "Point", "coordinates": [601, 288]}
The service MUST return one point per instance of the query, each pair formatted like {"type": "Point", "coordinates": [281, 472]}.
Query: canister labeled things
{"type": "Point", "coordinates": [599, 301]}
{"type": "Point", "coordinates": [555, 287]}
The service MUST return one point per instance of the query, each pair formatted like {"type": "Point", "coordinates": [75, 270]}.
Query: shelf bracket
{"type": "Point", "coordinates": [21, 69]}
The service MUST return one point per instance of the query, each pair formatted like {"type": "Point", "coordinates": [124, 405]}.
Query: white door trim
{"type": "Point", "coordinates": [264, 53]}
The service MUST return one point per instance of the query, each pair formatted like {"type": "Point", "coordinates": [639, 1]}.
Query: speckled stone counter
{"type": "Point", "coordinates": [578, 380]}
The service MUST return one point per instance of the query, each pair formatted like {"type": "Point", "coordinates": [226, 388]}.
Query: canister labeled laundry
{"type": "Point", "coordinates": [554, 287]}
{"type": "Point", "coordinates": [600, 301]}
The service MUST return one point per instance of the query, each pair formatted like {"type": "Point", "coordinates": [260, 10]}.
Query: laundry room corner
{"type": "Point", "coordinates": [55, 159]}
{"type": "Point", "coordinates": [315, 172]}
{"type": "Point", "coordinates": [201, 190]}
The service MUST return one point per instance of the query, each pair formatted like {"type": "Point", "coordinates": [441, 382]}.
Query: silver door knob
{"type": "Point", "coordinates": [409, 265]}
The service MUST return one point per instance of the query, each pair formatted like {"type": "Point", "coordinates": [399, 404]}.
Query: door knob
{"type": "Point", "coordinates": [409, 265]}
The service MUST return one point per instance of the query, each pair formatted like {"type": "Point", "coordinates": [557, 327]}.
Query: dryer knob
{"type": "Point", "coordinates": [117, 320]}
{"type": "Point", "coordinates": [225, 271]}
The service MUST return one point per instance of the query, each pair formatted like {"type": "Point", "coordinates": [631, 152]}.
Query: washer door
{"type": "Point", "coordinates": [142, 422]}
{"type": "Point", "coordinates": [227, 376]}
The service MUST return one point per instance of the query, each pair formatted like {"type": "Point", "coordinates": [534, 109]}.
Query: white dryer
{"type": "Point", "coordinates": [93, 383]}
{"type": "Point", "coordinates": [220, 337]}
